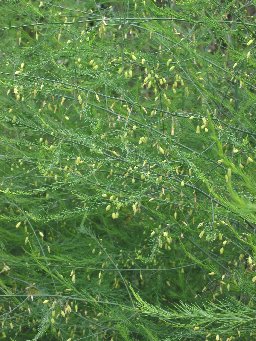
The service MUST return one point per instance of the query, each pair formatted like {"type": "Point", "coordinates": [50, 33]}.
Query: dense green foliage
{"type": "Point", "coordinates": [127, 162]}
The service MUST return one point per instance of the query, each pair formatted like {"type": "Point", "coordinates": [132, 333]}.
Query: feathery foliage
{"type": "Point", "coordinates": [127, 160]}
